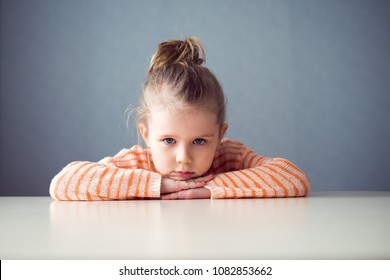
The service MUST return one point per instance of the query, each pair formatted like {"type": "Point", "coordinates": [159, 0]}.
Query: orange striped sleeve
{"type": "Point", "coordinates": [254, 187]}
{"type": "Point", "coordinates": [119, 189]}
{"type": "Point", "coordinates": [127, 175]}
{"type": "Point", "coordinates": [257, 176]}
{"type": "Point", "coordinates": [88, 190]}
{"type": "Point", "coordinates": [138, 185]}
{"type": "Point", "coordinates": [301, 179]}
{"type": "Point", "coordinates": [129, 185]}
{"type": "Point", "coordinates": [99, 183]}
{"type": "Point", "coordinates": [245, 186]}
{"type": "Point", "coordinates": [78, 183]}
{"type": "Point", "coordinates": [60, 179]}
{"type": "Point", "coordinates": [111, 186]}
{"type": "Point", "coordinates": [229, 183]}
{"type": "Point", "coordinates": [286, 180]}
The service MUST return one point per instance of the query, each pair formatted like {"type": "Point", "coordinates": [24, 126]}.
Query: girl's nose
{"type": "Point", "coordinates": [183, 156]}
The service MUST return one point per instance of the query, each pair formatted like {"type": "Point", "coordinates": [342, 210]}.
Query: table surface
{"type": "Point", "coordinates": [328, 225]}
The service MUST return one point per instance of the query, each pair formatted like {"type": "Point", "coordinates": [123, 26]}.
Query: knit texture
{"type": "Point", "coordinates": [238, 173]}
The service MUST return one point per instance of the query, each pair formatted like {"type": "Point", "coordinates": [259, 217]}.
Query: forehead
{"type": "Point", "coordinates": [189, 122]}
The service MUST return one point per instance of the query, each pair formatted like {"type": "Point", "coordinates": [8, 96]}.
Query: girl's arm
{"type": "Point", "coordinates": [124, 176]}
{"type": "Point", "coordinates": [240, 172]}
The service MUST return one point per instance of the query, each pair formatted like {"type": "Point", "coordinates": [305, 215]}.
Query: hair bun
{"type": "Point", "coordinates": [188, 52]}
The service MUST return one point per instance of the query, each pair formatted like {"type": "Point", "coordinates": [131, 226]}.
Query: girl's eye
{"type": "Point", "coordinates": [199, 141]}
{"type": "Point", "coordinates": [169, 141]}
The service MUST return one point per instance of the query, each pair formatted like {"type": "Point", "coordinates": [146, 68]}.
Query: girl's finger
{"type": "Point", "coordinates": [191, 184]}
{"type": "Point", "coordinates": [189, 194]}
{"type": "Point", "coordinates": [205, 178]}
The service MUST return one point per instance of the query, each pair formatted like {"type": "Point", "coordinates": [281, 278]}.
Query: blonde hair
{"type": "Point", "coordinates": [177, 78]}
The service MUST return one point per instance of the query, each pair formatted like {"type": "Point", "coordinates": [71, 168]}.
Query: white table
{"type": "Point", "coordinates": [329, 225]}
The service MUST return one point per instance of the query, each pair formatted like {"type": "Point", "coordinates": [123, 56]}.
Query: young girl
{"type": "Point", "coordinates": [181, 118]}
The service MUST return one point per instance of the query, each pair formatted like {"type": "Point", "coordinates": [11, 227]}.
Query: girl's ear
{"type": "Point", "coordinates": [223, 130]}
{"type": "Point", "coordinates": [144, 133]}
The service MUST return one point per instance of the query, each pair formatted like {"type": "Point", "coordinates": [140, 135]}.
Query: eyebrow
{"type": "Point", "coordinates": [175, 136]}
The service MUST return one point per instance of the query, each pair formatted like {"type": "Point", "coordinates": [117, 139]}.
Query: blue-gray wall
{"type": "Point", "coordinates": [306, 80]}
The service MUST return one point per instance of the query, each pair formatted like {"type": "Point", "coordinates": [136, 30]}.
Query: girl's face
{"type": "Point", "coordinates": [182, 142]}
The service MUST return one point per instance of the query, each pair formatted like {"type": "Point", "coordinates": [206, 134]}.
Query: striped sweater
{"type": "Point", "coordinates": [238, 173]}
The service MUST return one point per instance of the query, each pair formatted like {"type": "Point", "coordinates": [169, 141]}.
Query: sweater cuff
{"type": "Point", "coordinates": [216, 192]}
{"type": "Point", "coordinates": [154, 185]}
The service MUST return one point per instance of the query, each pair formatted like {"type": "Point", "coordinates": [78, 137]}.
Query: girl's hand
{"type": "Point", "coordinates": [174, 189]}
{"type": "Point", "coordinates": [189, 194]}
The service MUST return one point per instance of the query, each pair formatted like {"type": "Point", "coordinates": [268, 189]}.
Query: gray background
{"type": "Point", "coordinates": [306, 80]}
